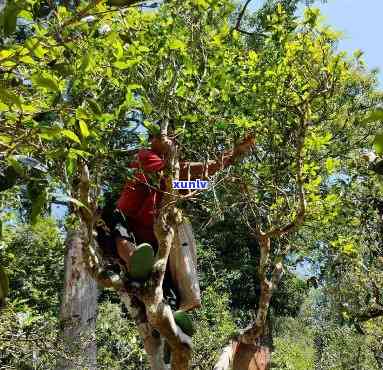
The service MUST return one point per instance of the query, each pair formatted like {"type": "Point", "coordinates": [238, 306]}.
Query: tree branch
{"type": "Point", "coordinates": [299, 218]}
{"type": "Point", "coordinates": [82, 13]}
{"type": "Point", "coordinates": [371, 313]}
{"type": "Point", "coordinates": [252, 334]}
{"type": "Point", "coordinates": [249, 33]}
{"type": "Point", "coordinates": [240, 16]}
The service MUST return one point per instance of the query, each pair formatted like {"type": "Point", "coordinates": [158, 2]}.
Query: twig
{"type": "Point", "coordinates": [241, 14]}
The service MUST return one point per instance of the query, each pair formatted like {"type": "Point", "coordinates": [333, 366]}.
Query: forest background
{"type": "Point", "coordinates": [289, 238]}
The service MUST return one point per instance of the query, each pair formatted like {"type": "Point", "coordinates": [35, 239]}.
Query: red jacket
{"type": "Point", "coordinates": [139, 201]}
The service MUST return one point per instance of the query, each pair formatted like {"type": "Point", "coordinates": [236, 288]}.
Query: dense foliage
{"type": "Point", "coordinates": [81, 84]}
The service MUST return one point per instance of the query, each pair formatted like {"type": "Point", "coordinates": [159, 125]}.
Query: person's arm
{"type": "Point", "coordinates": [200, 170]}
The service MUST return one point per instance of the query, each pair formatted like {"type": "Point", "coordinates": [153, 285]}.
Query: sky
{"type": "Point", "coordinates": [362, 26]}
{"type": "Point", "coordinates": [361, 23]}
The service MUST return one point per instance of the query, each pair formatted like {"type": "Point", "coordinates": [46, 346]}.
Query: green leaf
{"type": "Point", "coordinates": [374, 116]}
{"type": "Point", "coordinates": [8, 64]}
{"type": "Point", "coordinates": [70, 135]}
{"type": "Point", "coordinates": [244, 122]}
{"type": "Point", "coordinates": [39, 51]}
{"type": "Point", "coordinates": [134, 87]}
{"type": "Point", "coordinates": [33, 45]}
{"type": "Point", "coordinates": [27, 108]}
{"type": "Point", "coordinates": [221, 125]}
{"type": "Point", "coordinates": [9, 18]}
{"type": "Point", "coordinates": [105, 117]}
{"type": "Point", "coordinates": [151, 127]}
{"type": "Point", "coordinates": [27, 59]}
{"type": "Point", "coordinates": [74, 153]}
{"type": "Point", "coordinates": [70, 165]}
{"type": "Point", "coordinates": [49, 133]}
{"type": "Point", "coordinates": [119, 53]}
{"type": "Point", "coordinates": [85, 61]}
{"type": "Point", "coordinates": [331, 165]}
{"type": "Point", "coordinates": [176, 44]}
{"type": "Point", "coordinates": [6, 53]}
{"type": "Point", "coordinates": [5, 139]}
{"type": "Point", "coordinates": [83, 129]}
{"type": "Point", "coordinates": [253, 58]}
{"type": "Point", "coordinates": [378, 143]}
{"type": "Point", "coordinates": [202, 3]}
{"type": "Point", "coordinates": [46, 82]}
{"type": "Point", "coordinates": [93, 105]}
{"type": "Point", "coordinates": [66, 198]}
{"type": "Point", "coordinates": [126, 64]}
{"type": "Point", "coordinates": [26, 15]}
{"type": "Point", "coordinates": [10, 98]}
{"type": "Point", "coordinates": [81, 113]}
{"type": "Point", "coordinates": [348, 248]}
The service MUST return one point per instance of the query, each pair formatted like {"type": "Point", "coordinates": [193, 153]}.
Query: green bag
{"type": "Point", "coordinates": [184, 321]}
{"type": "Point", "coordinates": [141, 262]}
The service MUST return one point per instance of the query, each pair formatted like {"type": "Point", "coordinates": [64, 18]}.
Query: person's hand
{"type": "Point", "coordinates": [125, 249]}
{"type": "Point", "coordinates": [161, 145]}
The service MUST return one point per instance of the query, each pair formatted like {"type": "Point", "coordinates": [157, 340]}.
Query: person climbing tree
{"type": "Point", "coordinates": [137, 208]}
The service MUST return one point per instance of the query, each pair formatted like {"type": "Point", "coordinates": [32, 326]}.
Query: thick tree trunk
{"type": "Point", "coordinates": [153, 343]}
{"type": "Point", "coordinates": [250, 357]}
{"type": "Point", "coordinates": [254, 356]}
{"type": "Point", "coordinates": [243, 356]}
{"type": "Point", "coordinates": [78, 310]}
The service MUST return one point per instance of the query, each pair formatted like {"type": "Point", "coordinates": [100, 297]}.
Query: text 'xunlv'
{"type": "Point", "coordinates": [195, 184]}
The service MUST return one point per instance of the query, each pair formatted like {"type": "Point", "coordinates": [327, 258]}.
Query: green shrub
{"type": "Point", "coordinates": [294, 349]}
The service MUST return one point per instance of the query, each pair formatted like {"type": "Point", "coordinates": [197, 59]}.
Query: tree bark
{"type": "Point", "coordinates": [78, 310]}
{"type": "Point", "coordinates": [153, 343]}
{"type": "Point", "coordinates": [251, 348]}
{"type": "Point", "coordinates": [250, 357]}
{"type": "Point", "coordinates": [242, 356]}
